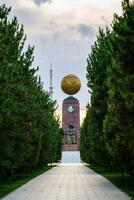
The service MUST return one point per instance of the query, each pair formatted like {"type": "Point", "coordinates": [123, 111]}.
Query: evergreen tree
{"type": "Point", "coordinates": [85, 137]}
{"type": "Point", "coordinates": [98, 62]}
{"type": "Point", "coordinates": [27, 119]}
{"type": "Point", "coordinates": [110, 74]}
{"type": "Point", "coordinates": [118, 124]}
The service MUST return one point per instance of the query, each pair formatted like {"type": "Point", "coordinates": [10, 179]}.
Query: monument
{"type": "Point", "coordinates": [71, 113]}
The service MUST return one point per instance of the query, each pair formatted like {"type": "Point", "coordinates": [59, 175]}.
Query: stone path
{"type": "Point", "coordinates": [68, 183]}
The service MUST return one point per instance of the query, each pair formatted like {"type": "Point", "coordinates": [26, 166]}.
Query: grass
{"type": "Point", "coordinates": [9, 184]}
{"type": "Point", "coordinates": [126, 184]}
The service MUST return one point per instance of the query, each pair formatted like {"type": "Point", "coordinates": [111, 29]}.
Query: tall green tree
{"type": "Point", "coordinates": [85, 137]}
{"type": "Point", "coordinates": [118, 124]}
{"type": "Point", "coordinates": [98, 62]}
{"type": "Point", "coordinates": [110, 75]}
{"type": "Point", "coordinates": [27, 120]}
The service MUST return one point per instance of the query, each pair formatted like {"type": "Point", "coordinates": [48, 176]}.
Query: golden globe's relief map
{"type": "Point", "coordinates": [70, 84]}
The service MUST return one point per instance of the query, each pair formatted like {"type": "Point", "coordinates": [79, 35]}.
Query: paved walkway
{"type": "Point", "coordinates": [68, 183]}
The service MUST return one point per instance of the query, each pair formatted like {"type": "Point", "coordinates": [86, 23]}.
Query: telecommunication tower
{"type": "Point", "coordinates": [51, 82]}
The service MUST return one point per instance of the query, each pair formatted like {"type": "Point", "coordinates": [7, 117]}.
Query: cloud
{"type": "Point", "coordinates": [39, 2]}
{"type": "Point", "coordinates": [85, 30]}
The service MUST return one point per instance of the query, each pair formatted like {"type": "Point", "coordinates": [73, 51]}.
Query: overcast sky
{"type": "Point", "coordinates": [62, 32]}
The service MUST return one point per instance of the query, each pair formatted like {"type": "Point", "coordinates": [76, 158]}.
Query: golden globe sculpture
{"type": "Point", "coordinates": [70, 84]}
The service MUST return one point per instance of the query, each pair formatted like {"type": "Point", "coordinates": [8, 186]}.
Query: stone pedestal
{"type": "Point", "coordinates": [71, 124]}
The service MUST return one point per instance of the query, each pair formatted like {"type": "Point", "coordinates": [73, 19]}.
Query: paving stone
{"type": "Point", "coordinates": [68, 182]}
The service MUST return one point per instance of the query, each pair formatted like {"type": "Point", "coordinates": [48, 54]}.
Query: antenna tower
{"type": "Point", "coordinates": [51, 82]}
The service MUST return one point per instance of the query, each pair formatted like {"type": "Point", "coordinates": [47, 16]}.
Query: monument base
{"type": "Point", "coordinates": [70, 147]}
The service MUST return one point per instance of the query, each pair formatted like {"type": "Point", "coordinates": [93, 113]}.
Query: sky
{"type": "Point", "coordinates": [63, 32]}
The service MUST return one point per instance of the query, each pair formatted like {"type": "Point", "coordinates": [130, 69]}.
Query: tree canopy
{"type": "Point", "coordinates": [30, 134]}
{"type": "Point", "coordinates": [108, 126]}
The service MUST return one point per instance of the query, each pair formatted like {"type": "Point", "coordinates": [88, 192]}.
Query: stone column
{"type": "Point", "coordinates": [71, 118]}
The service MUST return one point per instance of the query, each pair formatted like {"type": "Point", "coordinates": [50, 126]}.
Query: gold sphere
{"type": "Point", "coordinates": [70, 84]}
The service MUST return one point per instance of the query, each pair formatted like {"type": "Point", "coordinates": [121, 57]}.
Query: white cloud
{"type": "Point", "coordinates": [39, 2]}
